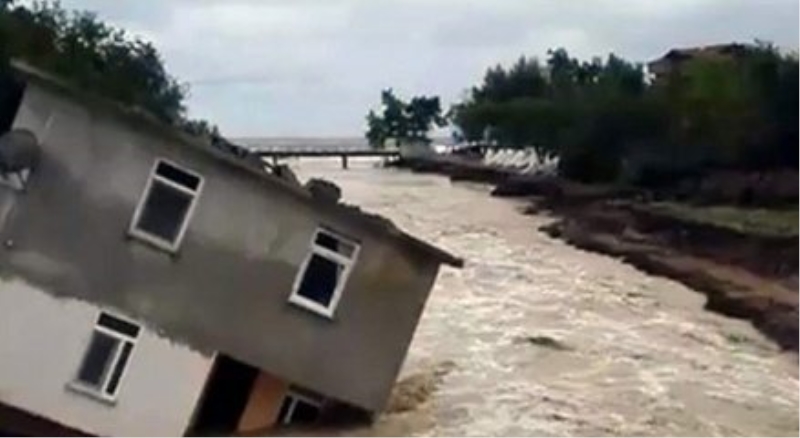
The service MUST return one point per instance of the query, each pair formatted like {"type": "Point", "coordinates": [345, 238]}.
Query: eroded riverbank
{"type": "Point", "coordinates": [750, 275]}
{"type": "Point", "coordinates": [636, 354]}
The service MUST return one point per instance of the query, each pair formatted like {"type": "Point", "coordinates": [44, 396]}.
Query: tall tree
{"type": "Point", "coordinates": [96, 56]}
{"type": "Point", "coordinates": [604, 120]}
{"type": "Point", "coordinates": [403, 121]}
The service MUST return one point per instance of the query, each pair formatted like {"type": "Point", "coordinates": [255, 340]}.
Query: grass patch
{"type": "Point", "coordinates": [765, 222]}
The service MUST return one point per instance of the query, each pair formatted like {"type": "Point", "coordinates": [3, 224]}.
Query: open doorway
{"type": "Point", "coordinates": [225, 397]}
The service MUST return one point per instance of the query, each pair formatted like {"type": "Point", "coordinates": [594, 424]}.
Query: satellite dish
{"type": "Point", "coordinates": [19, 150]}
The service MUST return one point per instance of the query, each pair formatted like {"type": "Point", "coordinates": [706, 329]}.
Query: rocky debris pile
{"type": "Point", "coordinates": [526, 161]}
{"type": "Point", "coordinates": [324, 190]}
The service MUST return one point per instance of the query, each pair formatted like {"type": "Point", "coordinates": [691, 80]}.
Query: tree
{"type": "Point", "coordinates": [394, 116]}
{"type": "Point", "coordinates": [422, 114]}
{"type": "Point", "coordinates": [606, 123]}
{"type": "Point", "coordinates": [376, 130]}
{"type": "Point", "coordinates": [403, 122]}
{"type": "Point", "coordinates": [95, 56]}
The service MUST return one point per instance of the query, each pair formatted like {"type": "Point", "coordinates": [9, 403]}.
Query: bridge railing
{"type": "Point", "coordinates": [266, 150]}
{"type": "Point", "coordinates": [301, 149]}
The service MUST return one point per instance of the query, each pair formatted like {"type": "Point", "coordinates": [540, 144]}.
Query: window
{"type": "Point", "coordinates": [166, 205]}
{"type": "Point", "coordinates": [322, 276]}
{"type": "Point", "coordinates": [107, 356]}
{"type": "Point", "coordinates": [299, 409]}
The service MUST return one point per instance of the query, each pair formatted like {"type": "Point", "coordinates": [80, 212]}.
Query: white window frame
{"type": "Point", "coordinates": [99, 391]}
{"type": "Point", "coordinates": [154, 240]}
{"type": "Point", "coordinates": [347, 262]}
{"type": "Point", "coordinates": [296, 396]}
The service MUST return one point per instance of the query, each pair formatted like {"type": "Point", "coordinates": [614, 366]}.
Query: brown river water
{"type": "Point", "coordinates": [619, 352]}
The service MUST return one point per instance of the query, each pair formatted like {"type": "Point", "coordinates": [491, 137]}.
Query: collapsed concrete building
{"type": "Point", "coordinates": [152, 284]}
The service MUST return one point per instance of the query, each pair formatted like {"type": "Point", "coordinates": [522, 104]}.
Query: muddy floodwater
{"type": "Point", "coordinates": [534, 337]}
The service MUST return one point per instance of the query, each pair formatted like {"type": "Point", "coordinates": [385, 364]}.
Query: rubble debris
{"type": "Point", "coordinates": [322, 189]}
{"type": "Point", "coordinates": [286, 173]}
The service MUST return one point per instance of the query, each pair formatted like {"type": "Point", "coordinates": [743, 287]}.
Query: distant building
{"type": "Point", "coordinates": [674, 60]}
{"type": "Point", "coordinates": [155, 285]}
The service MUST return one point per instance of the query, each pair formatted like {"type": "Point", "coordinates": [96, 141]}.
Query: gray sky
{"type": "Point", "coordinates": [314, 67]}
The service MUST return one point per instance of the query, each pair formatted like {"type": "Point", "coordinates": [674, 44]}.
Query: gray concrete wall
{"type": "Point", "coordinates": [228, 287]}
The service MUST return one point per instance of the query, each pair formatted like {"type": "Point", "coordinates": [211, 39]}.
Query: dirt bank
{"type": "Point", "coordinates": [744, 275]}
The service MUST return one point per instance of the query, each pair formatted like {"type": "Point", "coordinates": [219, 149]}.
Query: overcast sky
{"type": "Point", "coordinates": [314, 67]}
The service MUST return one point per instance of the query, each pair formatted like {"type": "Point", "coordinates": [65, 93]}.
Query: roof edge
{"type": "Point", "coordinates": [342, 211]}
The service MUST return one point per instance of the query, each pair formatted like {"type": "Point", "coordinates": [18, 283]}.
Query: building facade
{"type": "Point", "coordinates": [148, 272]}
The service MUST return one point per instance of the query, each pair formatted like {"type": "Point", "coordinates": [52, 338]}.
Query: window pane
{"type": "Point", "coordinates": [320, 280]}
{"type": "Point", "coordinates": [116, 374]}
{"type": "Point", "coordinates": [177, 175]}
{"type": "Point", "coordinates": [97, 359]}
{"type": "Point", "coordinates": [326, 240]}
{"type": "Point", "coordinates": [304, 413]}
{"type": "Point", "coordinates": [118, 325]}
{"type": "Point", "coordinates": [333, 243]}
{"type": "Point", "coordinates": [164, 211]}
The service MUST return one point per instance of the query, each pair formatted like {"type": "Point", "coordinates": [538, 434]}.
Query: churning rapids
{"type": "Point", "coordinates": [534, 337]}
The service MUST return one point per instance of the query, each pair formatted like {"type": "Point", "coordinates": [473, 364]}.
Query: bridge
{"type": "Point", "coordinates": [277, 152]}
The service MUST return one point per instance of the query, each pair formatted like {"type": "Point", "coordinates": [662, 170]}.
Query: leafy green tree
{"type": "Point", "coordinates": [394, 116]}
{"type": "Point", "coordinates": [422, 113]}
{"type": "Point", "coordinates": [376, 130]}
{"type": "Point", "coordinates": [403, 121]}
{"type": "Point", "coordinates": [95, 56]}
{"type": "Point", "coordinates": [605, 122]}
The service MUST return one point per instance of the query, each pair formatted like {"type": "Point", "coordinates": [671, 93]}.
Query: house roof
{"type": "Point", "coordinates": [714, 50]}
{"type": "Point", "coordinates": [248, 163]}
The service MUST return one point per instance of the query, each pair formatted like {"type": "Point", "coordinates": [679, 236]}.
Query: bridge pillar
{"type": "Point", "coordinates": [344, 161]}
{"type": "Point", "coordinates": [274, 160]}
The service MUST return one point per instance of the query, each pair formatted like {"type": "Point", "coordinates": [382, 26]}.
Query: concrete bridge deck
{"type": "Point", "coordinates": [276, 152]}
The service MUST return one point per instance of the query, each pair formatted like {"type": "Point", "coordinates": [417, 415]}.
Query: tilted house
{"type": "Point", "coordinates": [151, 284]}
